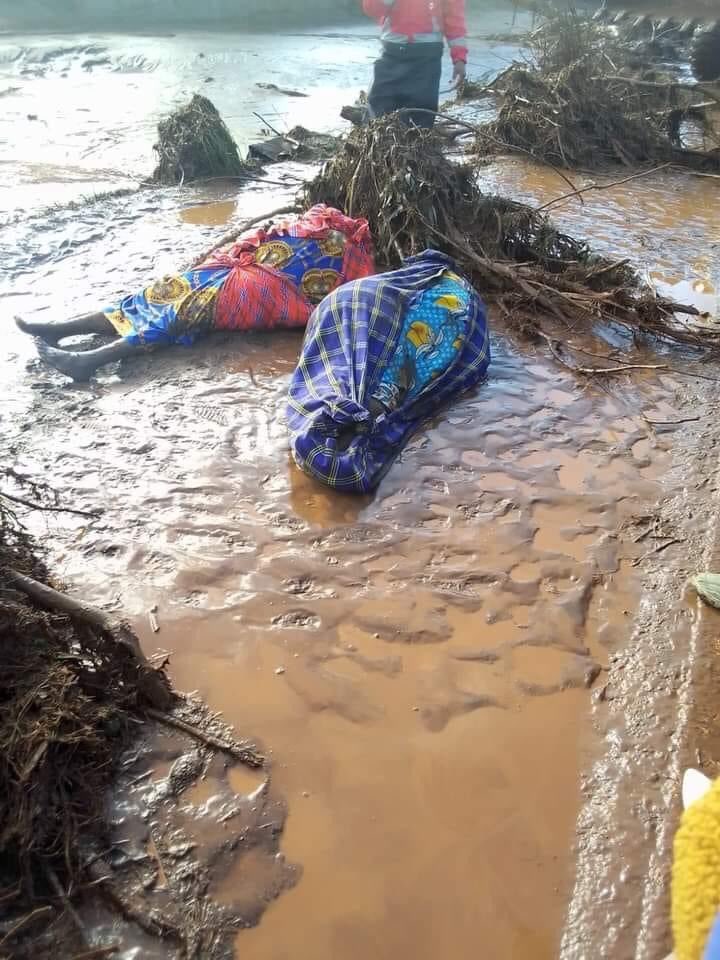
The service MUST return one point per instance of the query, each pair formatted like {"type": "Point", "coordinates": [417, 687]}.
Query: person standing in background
{"type": "Point", "coordinates": [407, 74]}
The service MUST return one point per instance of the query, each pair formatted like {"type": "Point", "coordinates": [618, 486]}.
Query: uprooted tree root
{"type": "Point", "coordinates": [582, 118]}
{"type": "Point", "coordinates": [400, 180]}
{"type": "Point", "coordinates": [69, 685]}
{"type": "Point", "coordinates": [194, 144]}
{"type": "Point", "coordinates": [414, 197]}
{"type": "Point", "coordinates": [75, 689]}
{"type": "Point", "coordinates": [581, 102]}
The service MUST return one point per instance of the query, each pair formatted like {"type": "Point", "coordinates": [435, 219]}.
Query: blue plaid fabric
{"type": "Point", "coordinates": [350, 341]}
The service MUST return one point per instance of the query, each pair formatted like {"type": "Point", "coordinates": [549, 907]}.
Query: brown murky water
{"type": "Point", "coordinates": [420, 664]}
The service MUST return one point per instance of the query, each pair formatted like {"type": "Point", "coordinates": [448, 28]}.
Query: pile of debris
{"type": "Point", "coordinates": [194, 144]}
{"type": "Point", "coordinates": [299, 143]}
{"type": "Point", "coordinates": [70, 685]}
{"type": "Point", "coordinates": [581, 102]}
{"type": "Point", "coordinates": [414, 197]}
{"type": "Point", "coordinates": [80, 707]}
{"type": "Point", "coordinates": [667, 39]}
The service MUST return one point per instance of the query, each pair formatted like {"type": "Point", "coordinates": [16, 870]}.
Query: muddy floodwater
{"type": "Point", "coordinates": [433, 669]}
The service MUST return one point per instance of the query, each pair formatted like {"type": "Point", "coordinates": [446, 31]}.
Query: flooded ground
{"type": "Point", "coordinates": [423, 665]}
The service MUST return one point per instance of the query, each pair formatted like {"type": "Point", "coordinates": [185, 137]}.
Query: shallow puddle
{"type": "Point", "coordinates": [215, 214]}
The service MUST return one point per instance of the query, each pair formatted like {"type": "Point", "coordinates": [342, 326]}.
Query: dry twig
{"type": "Point", "coordinates": [670, 423]}
{"type": "Point", "coordinates": [246, 755]}
{"type": "Point", "coordinates": [69, 909]}
{"type": "Point", "coordinates": [151, 681]}
{"type": "Point", "coordinates": [603, 186]}
{"type": "Point", "coordinates": [49, 508]}
{"type": "Point", "coordinates": [17, 926]}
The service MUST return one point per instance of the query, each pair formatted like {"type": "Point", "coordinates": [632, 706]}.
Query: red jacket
{"type": "Point", "coordinates": [412, 17]}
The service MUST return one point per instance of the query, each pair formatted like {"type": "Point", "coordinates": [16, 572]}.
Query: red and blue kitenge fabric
{"type": "Point", "coordinates": [279, 274]}
{"type": "Point", "coordinates": [172, 310]}
{"type": "Point", "coordinates": [269, 278]}
{"type": "Point", "coordinates": [347, 422]}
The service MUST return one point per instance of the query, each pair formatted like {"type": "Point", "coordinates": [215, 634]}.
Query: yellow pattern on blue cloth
{"type": "Point", "coordinates": [696, 879]}
{"type": "Point", "coordinates": [172, 310]}
{"type": "Point", "coordinates": [432, 335]}
{"type": "Point", "coordinates": [178, 308]}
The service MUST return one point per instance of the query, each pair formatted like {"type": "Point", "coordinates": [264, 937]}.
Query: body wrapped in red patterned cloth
{"type": "Point", "coordinates": [270, 278]}
{"type": "Point", "coordinates": [278, 275]}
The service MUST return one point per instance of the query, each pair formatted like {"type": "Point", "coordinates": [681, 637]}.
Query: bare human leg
{"type": "Point", "coordinates": [79, 326]}
{"type": "Point", "coordinates": [80, 366]}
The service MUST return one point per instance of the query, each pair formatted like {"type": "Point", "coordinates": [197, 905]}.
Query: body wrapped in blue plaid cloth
{"type": "Point", "coordinates": [380, 355]}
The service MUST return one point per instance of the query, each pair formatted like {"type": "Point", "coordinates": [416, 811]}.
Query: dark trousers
{"type": "Point", "coordinates": [407, 76]}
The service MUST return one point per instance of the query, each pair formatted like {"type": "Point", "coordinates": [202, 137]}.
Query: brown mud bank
{"type": "Point", "coordinates": [656, 715]}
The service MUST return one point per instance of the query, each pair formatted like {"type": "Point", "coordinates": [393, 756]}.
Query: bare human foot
{"type": "Point", "coordinates": [82, 364]}
{"type": "Point", "coordinates": [77, 366]}
{"type": "Point", "coordinates": [35, 329]}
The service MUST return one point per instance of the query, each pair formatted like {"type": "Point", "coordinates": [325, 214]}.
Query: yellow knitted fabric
{"type": "Point", "coordinates": [696, 875]}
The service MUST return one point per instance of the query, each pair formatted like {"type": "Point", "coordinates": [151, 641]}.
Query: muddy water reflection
{"type": "Point", "coordinates": [669, 222]}
{"type": "Point", "coordinates": [211, 214]}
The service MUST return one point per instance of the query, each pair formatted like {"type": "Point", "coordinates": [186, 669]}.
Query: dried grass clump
{"type": "Point", "coordinates": [194, 144]}
{"type": "Point", "coordinates": [565, 37]}
{"type": "Point", "coordinates": [581, 102]}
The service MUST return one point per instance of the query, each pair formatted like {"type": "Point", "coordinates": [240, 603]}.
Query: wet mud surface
{"type": "Point", "coordinates": [447, 675]}
{"type": "Point", "coordinates": [193, 852]}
